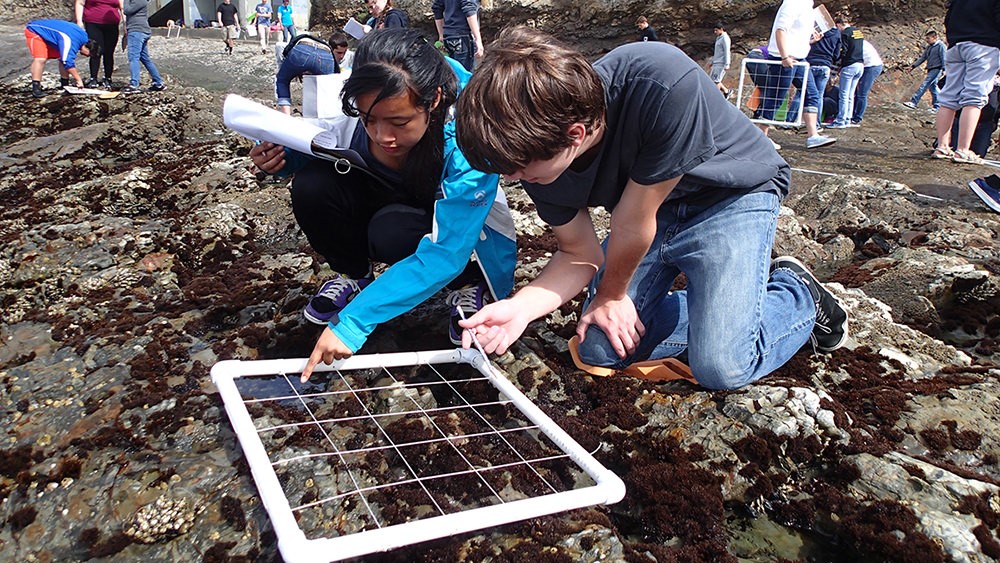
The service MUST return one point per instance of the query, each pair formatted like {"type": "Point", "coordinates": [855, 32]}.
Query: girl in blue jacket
{"type": "Point", "coordinates": [415, 202]}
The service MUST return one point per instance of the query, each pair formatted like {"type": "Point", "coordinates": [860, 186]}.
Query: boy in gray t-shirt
{"type": "Point", "coordinates": [693, 187]}
{"type": "Point", "coordinates": [721, 57]}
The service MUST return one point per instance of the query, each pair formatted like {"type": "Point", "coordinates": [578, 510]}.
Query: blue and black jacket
{"type": "Point", "coordinates": [470, 217]}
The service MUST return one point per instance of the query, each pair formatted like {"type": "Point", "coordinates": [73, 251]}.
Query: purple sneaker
{"type": "Point", "coordinates": [332, 297]}
{"type": "Point", "coordinates": [470, 299]}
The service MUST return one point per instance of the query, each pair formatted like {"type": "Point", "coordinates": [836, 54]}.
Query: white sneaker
{"type": "Point", "coordinates": [910, 105]}
{"type": "Point", "coordinates": [817, 141]}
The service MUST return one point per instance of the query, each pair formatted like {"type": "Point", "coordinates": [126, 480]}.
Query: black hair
{"type": "Point", "coordinates": [337, 39]}
{"type": "Point", "coordinates": [93, 47]}
{"type": "Point", "coordinates": [719, 25]}
{"type": "Point", "coordinates": [397, 61]}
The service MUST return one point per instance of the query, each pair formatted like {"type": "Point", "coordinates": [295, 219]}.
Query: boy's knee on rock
{"type": "Point", "coordinates": [596, 350]}
{"type": "Point", "coordinates": [720, 373]}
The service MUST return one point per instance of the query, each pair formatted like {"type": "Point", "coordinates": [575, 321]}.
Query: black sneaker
{"type": "Point", "coordinates": [129, 89]}
{"type": "Point", "coordinates": [470, 299]}
{"type": "Point", "coordinates": [91, 83]}
{"type": "Point", "coordinates": [36, 90]}
{"type": "Point", "coordinates": [157, 88]}
{"type": "Point", "coordinates": [106, 84]}
{"type": "Point", "coordinates": [830, 331]}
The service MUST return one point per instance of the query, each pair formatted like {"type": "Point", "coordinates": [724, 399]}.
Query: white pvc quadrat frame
{"type": "Point", "coordinates": [292, 541]}
{"type": "Point", "coordinates": [800, 93]}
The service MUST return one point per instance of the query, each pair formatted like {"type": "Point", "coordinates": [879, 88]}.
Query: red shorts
{"type": "Point", "coordinates": [38, 47]}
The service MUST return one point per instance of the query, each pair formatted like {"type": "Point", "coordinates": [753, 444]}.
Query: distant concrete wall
{"type": "Point", "coordinates": [206, 9]}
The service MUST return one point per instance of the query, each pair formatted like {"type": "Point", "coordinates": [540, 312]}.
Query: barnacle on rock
{"type": "Point", "coordinates": [162, 520]}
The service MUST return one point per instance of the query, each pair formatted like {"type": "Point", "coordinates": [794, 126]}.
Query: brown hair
{"type": "Point", "coordinates": [641, 19]}
{"type": "Point", "coordinates": [519, 104]}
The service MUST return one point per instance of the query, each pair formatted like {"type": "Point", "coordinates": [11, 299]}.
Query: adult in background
{"type": "Point", "coordinates": [721, 57]}
{"type": "Point", "coordinates": [304, 55]}
{"type": "Point", "coordinates": [287, 23]}
{"type": "Point", "coordinates": [933, 55]}
{"type": "Point", "coordinates": [137, 44]}
{"type": "Point", "coordinates": [646, 33]}
{"type": "Point", "coordinates": [229, 19]}
{"type": "Point", "coordinates": [873, 68]}
{"type": "Point", "coordinates": [59, 40]}
{"type": "Point", "coordinates": [384, 16]}
{"type": "Point", "coordinates": [262, 17]}
{"type": "Point", "coordinates": [457, 23]}
{"type": "Point", "coordinates": [696, 190]}
{"type": "Point", "coordinates": [100, 19]}
{"type": "Point", "coordinates": [788, 44]}
{"type": "Point", "coordinates": [822, 53]}
{"type": "Point", "coordinates": [851, 68]}
{"type": "Point", "coordinates": [973, 31]}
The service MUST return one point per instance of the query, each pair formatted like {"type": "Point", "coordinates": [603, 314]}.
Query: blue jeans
{"type": "Point", "coordinates": [815, 87]}
{"type": "Point", "coordinates": [777, 79]}
{"type": "Point", "coordinates": [138, 52]}
{"type": "Point", "coordinates": [799, 81]}
{"type": "Point", "coordinates": [850, 75]}
{"type": "Point", "coordinates": [288, 32]}
{"type": "Point", "coordinates": [736, 322]}
{"type": "Point", "coordinates": [304, 58]}
{"type": "Point", "coordinates": [462, 49]}
{"type": "Point", "coordinates": [929, 83]}
{"type": "Point", "coordinates": [861, 94]}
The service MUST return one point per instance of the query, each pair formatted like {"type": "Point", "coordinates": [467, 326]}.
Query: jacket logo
{"type": "Point", "coordinates": [480, 199]}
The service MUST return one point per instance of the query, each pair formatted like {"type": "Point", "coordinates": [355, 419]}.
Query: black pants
{"type": "Point", "coordinates": [107, 35]}
{"type": "Point", "coordinates": [352, 220]}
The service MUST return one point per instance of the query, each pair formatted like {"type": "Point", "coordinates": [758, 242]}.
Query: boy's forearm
{"type": "Point", "coordinates": [568, 271]}
{"type": "Point", "coordinates": [473, 21]}
{"type": "Point", "coordinates": [633, 228]}
{"type": "Point", "coordinates": [562, 279]}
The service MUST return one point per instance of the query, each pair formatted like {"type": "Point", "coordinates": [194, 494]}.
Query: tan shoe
{"type": "Point", "coordinates": [666, 369]}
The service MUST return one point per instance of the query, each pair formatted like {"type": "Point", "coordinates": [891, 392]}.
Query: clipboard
{"type": "Point", "coordinates": [354, 28]}
{"type": "Point", "coordinates": [822, 20]}
{"type": "Point", "coordinates": [260, 123]}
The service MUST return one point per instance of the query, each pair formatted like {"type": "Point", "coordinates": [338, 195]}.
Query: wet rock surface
{"type": "Point", "coordinates": [139, 248]}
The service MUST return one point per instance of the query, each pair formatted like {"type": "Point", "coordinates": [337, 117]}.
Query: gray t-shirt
{"type": "Point", "coordinates": [665, 118]}
{"type": "Point", "coordinates": [136, 16]}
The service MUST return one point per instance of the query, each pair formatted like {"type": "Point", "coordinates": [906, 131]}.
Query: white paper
{"type": "Point", "coordinates": [93, 91]}
{"type": "Point", "coordinates": [321, 95]}
{"type": "Point", "coordinates": [260, 123]}
{"type": "Point", "coordinates": [354, 28]}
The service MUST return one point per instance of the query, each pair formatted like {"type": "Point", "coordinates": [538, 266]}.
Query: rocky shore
{"type": "Point", "coordinates": [139, 247]}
